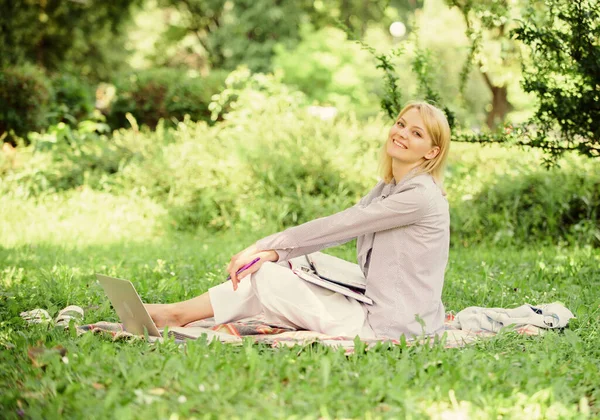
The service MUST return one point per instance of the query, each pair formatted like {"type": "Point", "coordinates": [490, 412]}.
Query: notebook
{"type": "Point", "coordinates": [332, 273]}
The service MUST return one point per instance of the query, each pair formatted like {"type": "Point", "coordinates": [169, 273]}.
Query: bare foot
{"type": "Point", "coordinates": [164, 315]}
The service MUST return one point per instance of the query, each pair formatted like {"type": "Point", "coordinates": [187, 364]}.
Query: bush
{"type": "Point", "coordinates": [269, 164]}
{"type": "Point", "coordinates": [25, 93]}
{"type": "Point", "coordinates": [73, 99]}
{"type": "Point", "coordinates": [516, 203]}
{"type": "Point", "coordinates": [331, 70]}
{"type": "Point", "coordinates": [163, 93]}
{"type": "Point", "coordinates": [63, 158]}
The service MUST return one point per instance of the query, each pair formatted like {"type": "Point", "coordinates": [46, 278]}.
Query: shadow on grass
{"type": "Point", "coordinates": [53, 276]}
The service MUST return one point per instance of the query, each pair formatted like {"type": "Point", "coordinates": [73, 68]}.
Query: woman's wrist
{"type": "Point", "coordinates": [268, 254]}
{"type": "Point", "coordinates": [271, 255]}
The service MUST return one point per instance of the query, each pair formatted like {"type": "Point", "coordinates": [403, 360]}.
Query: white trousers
{"type": "Point", "coordinates": [277, 296]}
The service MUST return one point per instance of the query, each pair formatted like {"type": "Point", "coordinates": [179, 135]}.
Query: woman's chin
{"type": "Point", "coordinates": [393, 151]}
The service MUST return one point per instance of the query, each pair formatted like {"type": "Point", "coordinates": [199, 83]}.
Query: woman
{"type": "Point", "coordinates": [402, 227]}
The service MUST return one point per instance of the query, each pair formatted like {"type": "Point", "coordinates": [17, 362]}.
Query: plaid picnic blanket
{"type": "Point", "coordinates": [277, 336]}
{"type": "Point", "coordinates": [248, 327]}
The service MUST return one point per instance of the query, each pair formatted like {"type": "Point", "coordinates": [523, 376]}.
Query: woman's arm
{"type": "Point", "coordinates": [252, 252]}
{"type": "Point", "coordinates": [400, 209]}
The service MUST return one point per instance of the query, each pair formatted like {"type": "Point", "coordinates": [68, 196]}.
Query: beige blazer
{"type": "Point", "coordinates": [403, 233]}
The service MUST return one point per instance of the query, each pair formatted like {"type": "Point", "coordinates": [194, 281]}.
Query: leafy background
{"type": "Point", "coordinates": [153, 139]}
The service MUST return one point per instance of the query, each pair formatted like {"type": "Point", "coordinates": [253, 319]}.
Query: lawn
{"type": "Point", "coordinates": [50, 247]}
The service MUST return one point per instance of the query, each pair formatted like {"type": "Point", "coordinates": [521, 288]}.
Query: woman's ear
{"type": "Point", "coordinates": [432, 153]}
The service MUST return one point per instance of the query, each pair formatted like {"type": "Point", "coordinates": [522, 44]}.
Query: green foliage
{"type": "Point", "coordinates": [268, 163]}
{"type": "Point", "coordinates": [496, 56]}
{"type": "Point", "coordinates": [25, 93]}
{"type": "Point", "coordinates": [329, 69]}
{"type": "Point", "coordinates": [488, 25]}
{"type": "Point", "coordinates": [528, 204]}
{"type": "Point", "coordinates": [225, 35]}
{"type": "Point", "coordinates": [564, 74]}
{"type": "Point", "coordinates": [73, 99]}
{"type": "Point", "coordinates": [83, 37]}
{"type": "Point", "coordinates": [246, 93]}
{"type": "Point", "coordinates": [30, 101]}
{"type": "Point", "coordinates": [233, 33]}
{"type": "Point", "coordinates": [162, 93]}
{"type": "Point", "coordinates": [391, 102]}
{"type": "Point", "coordinates": [422, 67]}
{"type": "Point", "coordinates": [289, 174]}
{"type": "Point", "coordinates": [446, 48]}
{"type": "Point", "coordinates": [63, 158]}
{"type": "Point", "coordinates": [356, 16]}
{"type": "Point", "coordinates": [561, 68]}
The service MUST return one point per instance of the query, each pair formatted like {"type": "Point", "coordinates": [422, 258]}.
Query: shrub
{"type": "Point", "coordinates": [73, 99]}
{"type": "Point", "coordinates": [25, 93]}
{"type": "Point", "coordinates": [330, 69]}
{"type": "Point", "coordinates": [523, 204]}
{"type": "Point", "coordinates": [269, 163]}
{"type": "Point", "coordinates": [63, 158]}
{"type": "Point", "coordinates": [163, 93]}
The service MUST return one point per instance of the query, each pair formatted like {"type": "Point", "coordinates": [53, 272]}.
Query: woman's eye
{"type": "Point", "coordinates": [417, 134]}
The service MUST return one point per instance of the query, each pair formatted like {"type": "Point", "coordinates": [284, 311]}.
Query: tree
{"type": "Point", "coordinates": [489, 23]}
{"type": "Point", "coordinates": [77, 35]}
{"type": "Point", "coordinates": [562, 42]}
{"type": "Point", "coordinates": [232, 33]}
{"type": "Point", "coordinates": [246, 31]}
{"type": "Point", "coordinates": [563, 72]}
{"type": "Point", "coordinates": [356, 15]}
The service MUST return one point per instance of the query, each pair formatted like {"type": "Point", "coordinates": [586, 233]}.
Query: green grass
{"type": "Point", "coordinates": [50, 248]}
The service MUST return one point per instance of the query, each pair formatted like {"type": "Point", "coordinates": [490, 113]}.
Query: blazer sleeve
{"type": "Point", "coordinates": [400, 209]}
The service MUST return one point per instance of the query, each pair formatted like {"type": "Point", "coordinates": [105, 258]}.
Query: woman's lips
{"type": "Point", "coordinates": [397, 143]}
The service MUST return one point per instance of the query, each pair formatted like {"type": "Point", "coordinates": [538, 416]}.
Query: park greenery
{"type": "Point", "coordinates": [153, 139]}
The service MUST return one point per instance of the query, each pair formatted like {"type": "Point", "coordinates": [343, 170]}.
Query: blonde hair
{"type": "Point", "coordinates": [438, 129]}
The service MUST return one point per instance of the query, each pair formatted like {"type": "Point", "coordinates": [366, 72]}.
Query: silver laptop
{"type": "Point", "coordinates": [337, 270]}
{"type": "Point", "coordinates": [134, 316]}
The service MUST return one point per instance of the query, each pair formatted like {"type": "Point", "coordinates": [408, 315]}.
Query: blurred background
{"type": "Point", "coordinates": [167, 58]}
{"type": "Point", "coordinates": [267, 113]}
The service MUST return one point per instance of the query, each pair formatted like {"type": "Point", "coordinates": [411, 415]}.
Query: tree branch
{"type": "Point", "coordinates": [488, 81]}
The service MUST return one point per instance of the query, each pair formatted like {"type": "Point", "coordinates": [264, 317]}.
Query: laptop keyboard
{"type": "Point", "coordinates": [178, 336]}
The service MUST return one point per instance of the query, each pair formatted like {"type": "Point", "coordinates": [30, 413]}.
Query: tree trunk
{"type": "Point", "coordinates": [345, 12]}
{"type": "Point", "coordinates": [500, 104]}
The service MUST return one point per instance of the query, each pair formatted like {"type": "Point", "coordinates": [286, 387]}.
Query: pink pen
{"type": "Point", "coordinates": [245, 267]}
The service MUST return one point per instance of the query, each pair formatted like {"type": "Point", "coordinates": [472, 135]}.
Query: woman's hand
{"type": "Point", "coordinates": [246, 256]}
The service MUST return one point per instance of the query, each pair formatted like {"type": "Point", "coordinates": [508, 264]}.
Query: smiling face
{"type": "Point", "coordinates": [408, 141]}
